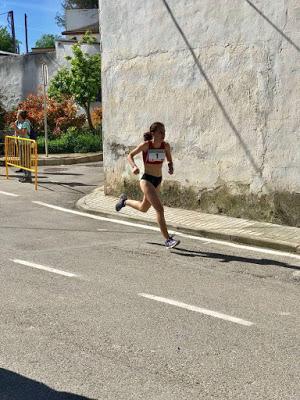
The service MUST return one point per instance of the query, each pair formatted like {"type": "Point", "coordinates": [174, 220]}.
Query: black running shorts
{"type": "Point", "coordinates": [155, 180]}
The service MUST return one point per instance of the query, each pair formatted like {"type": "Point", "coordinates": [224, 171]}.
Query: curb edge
{"type": "Point", "coordinates": [205, 233]}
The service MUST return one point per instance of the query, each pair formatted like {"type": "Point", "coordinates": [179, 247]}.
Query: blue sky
{"type": "Point", "coordinates": [40, 18]}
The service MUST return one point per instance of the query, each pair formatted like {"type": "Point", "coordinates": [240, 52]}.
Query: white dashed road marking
{"type": "Point", "coordinates": [44, 268]}
{"type": "Point", "coordinates": [9, 194]}
{"type": "Point", "coordinates": [197, 309]}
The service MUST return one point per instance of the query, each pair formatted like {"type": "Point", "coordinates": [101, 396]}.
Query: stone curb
{"type": "Point", "coordinates": [206, 233]}
{"type": "Point", "coordinates": [66, 159]}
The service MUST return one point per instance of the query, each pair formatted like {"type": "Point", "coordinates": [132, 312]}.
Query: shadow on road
{"type": "Point", "coordinates": [68, 185]}
{"type": "Point", "coordinates": [16, 175]}
{"type": "Point", "coordinates": [225, 258]}
{"type": "Point", "coordinates": [14, 386]}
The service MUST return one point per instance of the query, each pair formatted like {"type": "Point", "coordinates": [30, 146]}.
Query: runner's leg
{"type": "Point", "coordinates": [152, 197]}
{"type": "Point", "coordinates": [142, 206]}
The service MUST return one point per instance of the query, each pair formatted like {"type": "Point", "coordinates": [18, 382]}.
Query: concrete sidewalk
{"type": "Point", "coordinates": [255, 233]}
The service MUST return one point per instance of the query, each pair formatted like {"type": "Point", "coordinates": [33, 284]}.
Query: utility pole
{"type": "Point", "coordinates": [12, 26]}
{"type": "Point", "coordinates": [26, 33]}
{"type": "Point", "coordinates": [45, 83]}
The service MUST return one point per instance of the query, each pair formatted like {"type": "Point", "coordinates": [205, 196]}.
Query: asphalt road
{"type": "Point", "coordinates": [93, 309]}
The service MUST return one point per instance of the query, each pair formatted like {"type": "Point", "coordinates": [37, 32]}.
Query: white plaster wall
{"type": "Point", "coordinates": [11, 80]}
{"type": "Point", "coordinates": [64, 49]}
{"type": "Point", "coordinates": [77, 18]}
{"type": "Point", "coordinates": [238, 124]}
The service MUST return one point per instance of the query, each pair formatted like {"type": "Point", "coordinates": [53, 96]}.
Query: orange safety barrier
{"type": "Point", "coordinates": [21, 153]}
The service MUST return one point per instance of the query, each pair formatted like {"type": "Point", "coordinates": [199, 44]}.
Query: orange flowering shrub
{"type": "Point", "coordinates": [60, 116]}
{"type": "Point", "coordinates": [96, 115]}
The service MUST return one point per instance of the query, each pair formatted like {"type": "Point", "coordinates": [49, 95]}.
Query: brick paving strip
{"type": "Point", "coordinates": [280, 237]}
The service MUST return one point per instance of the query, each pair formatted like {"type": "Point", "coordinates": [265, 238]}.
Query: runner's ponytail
{"type": "Point", "coordinates": [148, 136]}
{"type": "Point", "coordinates": [156, 126]}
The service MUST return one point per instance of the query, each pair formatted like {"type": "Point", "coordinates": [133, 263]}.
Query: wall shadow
{"type": "Point", "coordinates": [14, 386]}
{"type": "Point", "coordinates": [274, 26]}
{"type": "Point", "coordinates": [215, 95]}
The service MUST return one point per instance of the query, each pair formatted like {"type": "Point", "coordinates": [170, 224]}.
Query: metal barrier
{"type": "Point", "coordinates": [21, 153]}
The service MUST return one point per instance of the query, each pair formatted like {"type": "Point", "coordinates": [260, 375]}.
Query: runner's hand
{"type": "Point", "coordinates": [135, 170]}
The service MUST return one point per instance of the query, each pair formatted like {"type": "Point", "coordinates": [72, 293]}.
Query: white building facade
{"type": "Point", "coordinates": [224, 77]}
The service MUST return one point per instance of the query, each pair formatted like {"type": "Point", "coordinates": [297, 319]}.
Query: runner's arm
{"type": "Point", "coordinates": [141, 147]}
{"type": "Point", "coordinates": [169, 158]}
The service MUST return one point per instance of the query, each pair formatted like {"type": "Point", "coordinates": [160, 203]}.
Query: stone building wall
{"type": "Point", "coordinates": [22, 75]}
{"type": "Point", "coordinates": [224, 77]}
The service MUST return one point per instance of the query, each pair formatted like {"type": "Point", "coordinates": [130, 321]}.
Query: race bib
{"type": "Point", "coordinates": [156, 155]}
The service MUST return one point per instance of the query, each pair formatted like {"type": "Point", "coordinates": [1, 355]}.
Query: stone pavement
{"type": "Point", "coordinates": [65, 159]}
{"type": "Point", "coordinates": [256, 233]}
{"type": "Point", "coordinates": [68, 159]}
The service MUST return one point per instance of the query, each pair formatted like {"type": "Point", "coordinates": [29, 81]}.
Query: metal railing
{"type": "Point", "coordinates": [21, 153]}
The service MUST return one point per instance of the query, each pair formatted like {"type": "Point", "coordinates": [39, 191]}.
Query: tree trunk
{"type": "Point", "coordinates": [89, 117]}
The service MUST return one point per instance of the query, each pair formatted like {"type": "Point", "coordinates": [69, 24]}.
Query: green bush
{"type": "Point", "coordinates": [87, 143]}
{"type": "Point", "coordinates": [72, 141]}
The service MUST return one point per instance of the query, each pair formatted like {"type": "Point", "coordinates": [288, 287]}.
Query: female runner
{"type": "Point", "coordinates": [155, 150]}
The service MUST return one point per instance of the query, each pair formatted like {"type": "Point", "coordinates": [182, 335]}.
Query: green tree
{"type": "Point", "coordinates": [6, 41]}
{"type": "Point", "coordinates": [82, 81]}
{"type": "Point", "coordinates": [47, 40]}
{"type": "Point", "coordinates": [71, 4]}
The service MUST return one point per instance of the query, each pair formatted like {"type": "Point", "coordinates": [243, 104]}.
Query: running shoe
{"type": "Point", "coordinates": [171, 242]}
{"type": "Point", "coordinates": [121, 203]}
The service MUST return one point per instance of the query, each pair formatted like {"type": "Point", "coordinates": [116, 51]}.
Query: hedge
{"type": "Point", "coordinates": [72, 142]}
